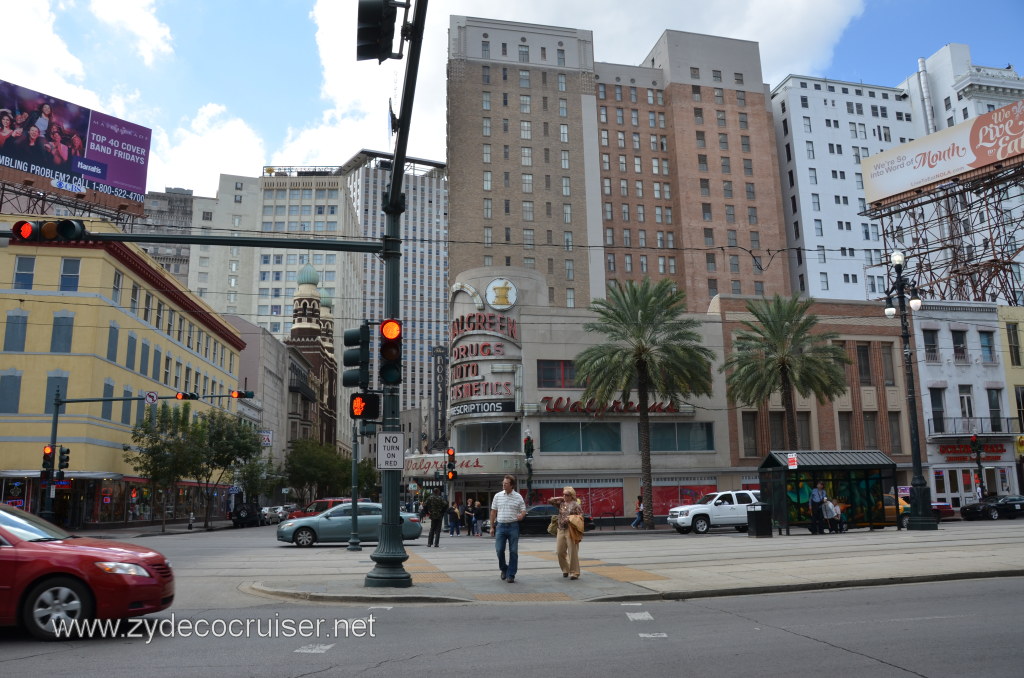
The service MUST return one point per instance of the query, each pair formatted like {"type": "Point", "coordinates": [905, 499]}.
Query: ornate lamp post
{"type": "Point", "coordinates": [920, 494]}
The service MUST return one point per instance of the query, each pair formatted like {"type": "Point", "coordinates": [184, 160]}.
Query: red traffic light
{"type": "Point", "coordinates": [364, 406]}
{"type": "Point", "coordinates": [452, 475]}
{"type": "Point", "coordinates": [49, 231]}
{"type": "Point", "coordinates": [186, 396]}
{"type": "Point", "coordinates": [974, 438]}
{"type": "Point", "coordinates": [48, 450]}
{"type": "Point", "coordinates": [391, 329]}
{"type": "Point", "coordinates": [450, 452]}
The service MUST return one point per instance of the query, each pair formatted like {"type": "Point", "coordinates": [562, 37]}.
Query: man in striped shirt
{"type": "Point", "coordinates": [507, 509]}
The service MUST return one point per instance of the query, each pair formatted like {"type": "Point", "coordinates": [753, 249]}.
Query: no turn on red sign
{"type": "Point", "coordinates": [389, 452]}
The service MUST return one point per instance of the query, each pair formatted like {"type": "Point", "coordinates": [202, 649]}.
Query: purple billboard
{"type": "Point", "coordinates": [75, 148]}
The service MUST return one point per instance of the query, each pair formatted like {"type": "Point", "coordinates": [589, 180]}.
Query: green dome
{"type": "Point", "coordinates": [308, 276]}
{"type": "Point", "coordinates": [326, 302]}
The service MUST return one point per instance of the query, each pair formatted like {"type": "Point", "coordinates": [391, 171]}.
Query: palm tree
{"type": "Point", "coordinates": [782, 352]}
{"type": "Point", "coordinates": [651, 347]}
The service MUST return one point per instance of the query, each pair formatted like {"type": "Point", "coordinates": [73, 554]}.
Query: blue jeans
{"type": "Point", "coordinates": [639, 520]}
{"type": "Point", "coordinates": [507, 533]}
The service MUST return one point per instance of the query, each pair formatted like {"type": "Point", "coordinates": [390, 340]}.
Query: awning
{"type": "Point", "coordinates": [835, 459]}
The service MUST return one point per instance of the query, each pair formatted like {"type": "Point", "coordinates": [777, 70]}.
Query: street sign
{"type": "Point", "coordinates": [389, 452]}
{"type": "Point", "coordinates": [151, 397]}
{"type": "Point", "coordinates": [266, 437]}
{"type": "Point", "coordinates": [791, 460]}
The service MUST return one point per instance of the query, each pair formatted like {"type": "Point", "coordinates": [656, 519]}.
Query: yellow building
{"type": "Point", "coordinates": [98, 320]}
{"type": "Point", "coordinates": [1011, 324]}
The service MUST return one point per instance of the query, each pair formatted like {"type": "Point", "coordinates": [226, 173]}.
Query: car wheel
{"type": "Point", "coordinates": [993, 513]}
{"type": "Point", "coordinates": [243, 513]}
{"type": "Point", "coordinates": [58, 601]}
{"type": "Point", "coordinates": [701, 524]}
{"type": "Point", "coordinates": [681, 530]}
{"type": "Point", "coordinates": [905, 521]}
{"type": "Point", "coordinates": [304, 537]}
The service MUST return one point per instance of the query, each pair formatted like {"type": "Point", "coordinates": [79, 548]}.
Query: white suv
{"type": "Point", "coordinates": [718, 509]}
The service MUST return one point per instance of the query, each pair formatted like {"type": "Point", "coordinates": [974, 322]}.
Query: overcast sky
{"type": "Point", "coordinates": [229, 86]}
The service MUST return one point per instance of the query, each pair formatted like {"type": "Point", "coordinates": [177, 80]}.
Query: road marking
{"type": "Point", "coordinates": [639, 616]}
{"type": "Point", "coordinates": [380, 607]}
{"type": "Point", "coordinates": [653, 635]}
{"type": "Point", "coordinates": [316, 648]}
{"type": "Point", "coordinates": [631, 604]}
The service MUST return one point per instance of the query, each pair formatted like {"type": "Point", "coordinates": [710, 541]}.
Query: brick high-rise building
{"type": "Point", "coordinates": [595, 173]}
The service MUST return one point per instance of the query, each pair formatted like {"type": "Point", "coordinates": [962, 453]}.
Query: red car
{"type": "Point", "coordinates": [318, 506]}
{"type": "Point", "coordinates": [49, 578]}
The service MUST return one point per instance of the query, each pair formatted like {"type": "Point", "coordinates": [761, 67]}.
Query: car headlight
{"type": "Point", "coordinates": [288, 524]}
{"type": "Point", "coordinates": [123, 568]}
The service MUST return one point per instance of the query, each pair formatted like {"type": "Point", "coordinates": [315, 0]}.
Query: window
{"type": "Point", "coordinates": [63, 329]}
{"type": "Point", "coordinates": [14, 332]}
{"type": "Point", "coordinates": [569, 273]}
{"type": "Point", "coordinates": [556, 374]}
{"type": "Point", "coordinates": [69, 270]}
{"type": "Point", "coordinates": [864, 363]}
{"type": "Point", "coordinates": [1013, 339]}
{"type": "Point", "coordinates": [988, 351]}
{"type": "Point", "coordinates": [959, 346]}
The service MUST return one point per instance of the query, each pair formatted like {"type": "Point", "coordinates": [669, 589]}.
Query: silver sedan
{"type": "Point", "coordinates": [335, 525]}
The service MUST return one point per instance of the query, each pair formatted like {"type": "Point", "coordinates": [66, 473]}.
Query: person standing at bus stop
{"type": "Point", "coordinates": [816, 503]}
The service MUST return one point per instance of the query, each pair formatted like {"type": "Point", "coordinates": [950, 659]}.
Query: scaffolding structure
{"type": "Point", "coordinates": [960, 237]}
{"type": "Point", "coordinates": [24, 198]}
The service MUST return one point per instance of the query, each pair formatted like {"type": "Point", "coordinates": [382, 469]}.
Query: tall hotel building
{"type": "Point", "coordinates": [596, 173]}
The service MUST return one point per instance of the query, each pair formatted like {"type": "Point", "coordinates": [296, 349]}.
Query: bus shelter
{"type": "Point", "coordinates": [862, 481]}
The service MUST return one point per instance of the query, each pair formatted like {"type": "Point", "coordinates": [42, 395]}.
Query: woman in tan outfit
{"type": "Point", "coordinates": [567, 543]}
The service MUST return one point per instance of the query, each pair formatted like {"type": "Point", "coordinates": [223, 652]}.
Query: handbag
{"type": "Point", "coordinates": [553, 526]}
{"type": "Point", "coordinates": [576, 528]}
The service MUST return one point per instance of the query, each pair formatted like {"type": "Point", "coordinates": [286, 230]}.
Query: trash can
{"type": "Point", "coordinates": [759, 519]}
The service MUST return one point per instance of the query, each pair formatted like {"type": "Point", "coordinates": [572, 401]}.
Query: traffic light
{"type": "Point", "coordinates": [975, 445]}
{"type": "Point", "coordinates": [358, 357]}
{"type": "Point", "coordinates": [63, 230]}
{"type": "Point", "coordinates": [451, 473]}
{"type": "Point", "coordinates": [364, 406]}
{"type": "Point", "coordinates": [390, 371]}
{"type": "Point", "coordinates": [528, 447]}
{"type": "Point", "coordinates": [376, 29]}
{"type": "Point", "coordinates": [47, 457]}
{"type": "Point", "coordinates": [243, 394]}
{"type": "Point", "coordinates": [65, 458]}
{"type": "Point", "coordinates": [180, 395]}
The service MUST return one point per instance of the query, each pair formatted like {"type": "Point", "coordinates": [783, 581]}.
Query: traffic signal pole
{"type": "Point", "coordinates": [390, 553]}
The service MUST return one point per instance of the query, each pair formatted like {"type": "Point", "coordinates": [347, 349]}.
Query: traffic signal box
{"type": "Point", "coordinates": [390, 371]}
{"type": "Point", "coordinates": [451, 473]}
{"type": "Point", "coordinates": [63, 230]}
{"type": "Point", "coordinates": [528, 447]}
{"type": "Point", "coordinates": [364, 406]}
{"type": "Point", "coordinates": [243, 394]}
{"type": "Point", "coordinates": [375, 31]}
{"type": "Point", "coordinates": [180, 395]}
{"type": "Point", "coordinates": [358, 357]}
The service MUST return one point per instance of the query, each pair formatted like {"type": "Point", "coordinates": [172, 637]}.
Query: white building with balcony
{"type": "Point", "coordinates": [964, 393]}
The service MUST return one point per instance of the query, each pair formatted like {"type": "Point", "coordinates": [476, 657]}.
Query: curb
{"type": "Point", "coordinates": [260, 589]}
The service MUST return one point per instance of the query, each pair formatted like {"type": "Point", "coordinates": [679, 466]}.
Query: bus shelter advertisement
{"type": "Point", "coordinates": [75, 148]}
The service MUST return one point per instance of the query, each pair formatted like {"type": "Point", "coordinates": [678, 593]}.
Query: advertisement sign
{"type": "Point", "coordinates": [989, 139]}
{"type": "Point", "coordinates": [72, 147]}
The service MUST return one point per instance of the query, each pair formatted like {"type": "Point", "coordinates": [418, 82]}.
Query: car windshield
{"type": "Point", "coordinates": [707, 498]}
{"type": "Point", "coordinates": [29, 527]}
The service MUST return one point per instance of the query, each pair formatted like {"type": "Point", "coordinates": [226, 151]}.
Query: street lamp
{"type": "Point", "coordinates": [920, 494]}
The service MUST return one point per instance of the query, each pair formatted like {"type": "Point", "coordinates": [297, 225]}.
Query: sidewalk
{"type": "Point", "coordinates": [627, 565]}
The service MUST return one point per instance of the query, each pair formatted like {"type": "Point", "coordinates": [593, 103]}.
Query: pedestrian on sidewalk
{"type": "Point", "coordinates": [434, 507]}
{"type": "Point", "coordinates": [507, 509]}
{"type": "Point", "coordinates": [816, 502]}
{"type": "Point", "coordinates": [454, 520]}
{"type": "Point", "coordinates": [567, 541]}
{"type": "Point", "coordinates": [479, 516]}
{"type": "Point", "coordinates": [828, 512]}
{"type": "Point", "coordinates": [638, 521]}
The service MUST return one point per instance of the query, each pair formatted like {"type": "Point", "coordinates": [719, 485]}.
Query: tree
{"type": "Point", "coordinates": [218, 442]}
{"type": "Point", "coordinates": [781, 352]}
{"type": "Point", "coordinates": [158, 454]}
{"type": "Point", "coordinates": [651, 347]}
{"type": "Point", "coordinates": [253, 477]}
{"type": "Point", "coordinates": [314, 469]}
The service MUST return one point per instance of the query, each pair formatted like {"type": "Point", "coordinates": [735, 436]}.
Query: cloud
{"type": "Point", "coordinates": [210, 144]}
{"type": "Point", "coordinates": [138, 18]}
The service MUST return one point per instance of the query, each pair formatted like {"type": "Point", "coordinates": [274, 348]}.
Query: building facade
{"type": "Point", "coordinates": [100, 321]}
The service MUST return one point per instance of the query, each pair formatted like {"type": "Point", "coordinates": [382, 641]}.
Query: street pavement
{"type": "Point", "coordinates": [629, 565]}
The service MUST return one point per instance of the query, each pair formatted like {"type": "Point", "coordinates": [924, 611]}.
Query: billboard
{"type": "Point", "coordinates": [986, 140]}
{"type": "Point", "coordinates": [74, 148]}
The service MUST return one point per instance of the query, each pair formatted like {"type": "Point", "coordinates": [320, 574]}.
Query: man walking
{"type": "Point", "coordinates": [507, 509]}
{"type": "Point", "coordinates": [435, 507]}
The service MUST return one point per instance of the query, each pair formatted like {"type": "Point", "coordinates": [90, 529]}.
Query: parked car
{"type": "Point", "coordinates": [49, 577]}
{"type": "Point", "coordinates": [245, 515]}
{"type": "Point", "coordinates": [994, 508]}
{"type": "Point", "coordinates": [272, 515]}
{"type": "Point", "coordinates": [717, 509]}
{"type": "Point", "coordinates": [890, 507]}
{"type": "Point", "coordinates": [335, 525]}
{"type": "Point", "coordinates": [538, 518]}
